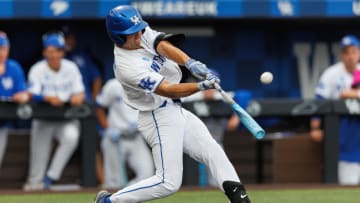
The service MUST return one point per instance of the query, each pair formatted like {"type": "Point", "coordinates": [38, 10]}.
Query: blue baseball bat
{"type": "Point", "coordinates": [244, 117]}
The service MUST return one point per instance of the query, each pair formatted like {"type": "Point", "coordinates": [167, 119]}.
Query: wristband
{"type": "Point", "coordinates": [38, 97]}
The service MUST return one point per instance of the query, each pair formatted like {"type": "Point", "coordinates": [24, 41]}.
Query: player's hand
{"type": "Point", "coordinates": [21, 97]}
{"type": "Point", "coordinates": [54, 100]}
{"type": "Point", "coordinates": [113, 134]}
{"type": "Point", "coordinates": [77, 99]}
{"type": "Point", "coordinates": [317, 135]}
{"type": "Point", "coordinates": [197, 69]}
{"type": "Point", "coordinates": [209, 83]}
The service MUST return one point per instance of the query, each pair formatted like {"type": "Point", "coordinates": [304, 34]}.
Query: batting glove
{"type": "Point", "coordinates": [197, 69]}
{"type": "Point", "coordinates": [112, 133]}
{"type": "Point", "coordinates": [209, 83]}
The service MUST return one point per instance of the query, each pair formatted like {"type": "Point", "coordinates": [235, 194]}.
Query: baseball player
{"type": "Point", "coordinates": [12, 86]}
{"type": "Point", "coordinates": [147, 66]}
{"type": "Point", "coordinates": [334, 83]}
{"type": "Point", "coordinates": [121, 138]}
{"type": "Point", "coordinates": [53, 80]}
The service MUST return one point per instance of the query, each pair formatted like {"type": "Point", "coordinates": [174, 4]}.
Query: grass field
{"type": "Point", "coordinates": [346, 195]}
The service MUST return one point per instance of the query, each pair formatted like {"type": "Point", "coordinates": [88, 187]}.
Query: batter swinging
{"type": "Point", "coordinates": [146, 64]}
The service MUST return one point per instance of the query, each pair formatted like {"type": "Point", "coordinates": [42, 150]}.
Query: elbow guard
{"type": "Point", "coordinates": [174, 39]}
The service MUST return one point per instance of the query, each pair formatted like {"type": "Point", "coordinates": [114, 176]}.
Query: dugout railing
{"type": "Point", "coordinates": [329, 110]}
{"type": "Point", "coordinates": [86, 115]}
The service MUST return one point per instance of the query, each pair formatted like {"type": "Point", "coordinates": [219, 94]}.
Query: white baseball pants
{"type": "Point", "coordinates": [170, 131]}
{"type": "Point", "coordinates": [349, 173]}
{"type": "Point", "coordinates": [67, 134]}
{"type": "Point", "coordinates": [135, 151]}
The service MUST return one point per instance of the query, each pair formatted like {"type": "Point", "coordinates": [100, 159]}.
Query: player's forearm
{"type": "Point", "coordinates": [177, 90]}
{"type": "Point", "coordinates": [96, 87]}
{"type": "Point", "coordinates": [101, 117]}
{"type": "Point", "coordinates": [166, 49]}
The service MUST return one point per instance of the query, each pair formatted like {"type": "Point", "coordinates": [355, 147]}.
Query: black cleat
{"type": "Point", "coordinates": [101, 196]}
{"type": "Point", "coordinates": [236, 192]}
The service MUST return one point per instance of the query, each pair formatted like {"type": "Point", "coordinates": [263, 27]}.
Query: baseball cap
{"type": "Point", "coordinates": [356, 79]}
{"type": "Point", "coordinates": [349, 40]}
{"type": "Point", "coordinates": [55, 39]}
{"type": "Point", "coordinates": [4, 41]}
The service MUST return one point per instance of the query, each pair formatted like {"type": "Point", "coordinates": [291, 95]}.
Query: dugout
{"type": "Point", "coordinates": [240, 40]}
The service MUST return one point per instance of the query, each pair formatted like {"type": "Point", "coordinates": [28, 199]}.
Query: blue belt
{"type": "Point", "coordinates": [176, 101]}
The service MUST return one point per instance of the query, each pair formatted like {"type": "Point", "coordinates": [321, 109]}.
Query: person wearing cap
{"type": "Point", "coordinates": [56, 81]}
{"type": "Point", "coordinates": [335, 83]}
{"type": "Point", "coordinates": [12, 86]}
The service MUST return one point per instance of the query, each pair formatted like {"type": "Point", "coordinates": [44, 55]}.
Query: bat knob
{"type": "Point", "coordinates": [260, 134]}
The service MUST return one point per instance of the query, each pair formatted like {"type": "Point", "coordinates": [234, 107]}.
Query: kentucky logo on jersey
{"type": "Point", "coordinates": [147, 83]}
{"type": "Point", "coordinates": [157, 62]}
{"type": "Point", "coordinates": [7, 83]}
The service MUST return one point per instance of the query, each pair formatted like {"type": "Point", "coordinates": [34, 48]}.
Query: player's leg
{"type": "Point", "coordinates": [163, 130]}
{"type": "Point", "coordinates": [3, 141]}
{"type": "Point", "coordinates": [112, 163]}
{"type": "Point", "coordinates": [40, 149]}
{"type": "Point", "coordinates": [348, 173]}
{"type": "Point", "coordinates": [199, 144]}
{"type": "Point", "coordinates": [68, 133]}
{"type": "Point", "coordinates": [139, 159]}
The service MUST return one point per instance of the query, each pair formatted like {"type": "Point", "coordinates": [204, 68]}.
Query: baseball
{"type": "Point", "coordinates": [266, 77]}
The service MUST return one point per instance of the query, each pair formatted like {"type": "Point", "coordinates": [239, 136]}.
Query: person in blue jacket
{"type": "Point", "coordinates": [12, 86]}
{"type": "Point", "coordinates": [89, 71]}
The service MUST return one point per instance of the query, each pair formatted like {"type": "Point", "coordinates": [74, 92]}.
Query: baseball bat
{"type": "Point", "coordinates": [244, 117]}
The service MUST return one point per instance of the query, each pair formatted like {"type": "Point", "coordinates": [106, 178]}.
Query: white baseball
{"type": "Point", "coordinates": [266, 77]}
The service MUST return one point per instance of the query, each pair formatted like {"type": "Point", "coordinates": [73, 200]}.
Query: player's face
{"type": "Point", "coordinates": [350, 56]}
{"type": "Point", "coordinates": [53, 56]}
{"type": "Point", "coordinates": [133, 41]}
{"type": "Point", "coordinates": [4, 53]}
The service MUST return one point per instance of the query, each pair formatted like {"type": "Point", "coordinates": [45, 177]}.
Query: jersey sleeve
{"type": "Point", "coordinates": [107, 95]}
{"type": "Point", "coordinates": [78, 85]}
{"type": "Point", "coordinates": [19, 77]}
{"type": "Point", "coordinates": [148, 39]}
{"type": "Point", "coordinates": [325, 86]}
{"type": "Point", "coordinates": [34, 82]}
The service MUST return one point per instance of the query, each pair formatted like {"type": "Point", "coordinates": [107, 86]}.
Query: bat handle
{"type": "Point", "coordinates": [227, 98]}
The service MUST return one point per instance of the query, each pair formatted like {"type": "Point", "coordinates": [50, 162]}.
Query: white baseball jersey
{"type": "Point", "coordinates": [63, 83]}
{"type": "Point", "coordinates": [333, 81]}
{"type": "Point", "coordinates": [142, 71]}
{"type": "Point", "coordinates": [120, 114]}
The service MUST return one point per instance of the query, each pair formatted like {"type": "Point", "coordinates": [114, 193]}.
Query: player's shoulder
{"type": "Point", "coordinates": [334, 70]}
{"type": "Point", "coordinates": [39, 66]}
{"type": "Point", "coordinates": [13, 65]}
{"type": "Point", "coordinates": [66, 63]}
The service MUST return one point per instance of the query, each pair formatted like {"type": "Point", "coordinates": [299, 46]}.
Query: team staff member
{"type": "Point", "coordinates": [146, 64]}
{"type": "Point", "coordinates": [121, 139]}
{"type": "Point", "coordinates": [335, 83]}
{"type": "Point", "coordinates": [89, 71]}
{"type": "Point", "coordinates": [12, 86]}
{"type": "Point", "coordinates": [54, 80]}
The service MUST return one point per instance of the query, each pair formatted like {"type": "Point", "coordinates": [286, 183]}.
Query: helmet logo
{"type": "Point", "coordinates": [135, 20]}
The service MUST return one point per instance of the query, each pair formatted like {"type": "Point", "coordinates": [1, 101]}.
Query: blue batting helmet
{"type": "Point", "coordinates": [123, 20]}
